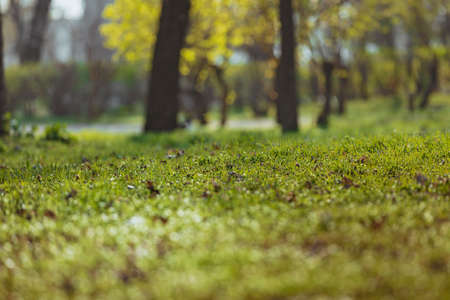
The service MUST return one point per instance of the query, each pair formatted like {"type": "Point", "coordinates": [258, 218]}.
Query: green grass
{"type": "Point", "coordinates": [357, 211]}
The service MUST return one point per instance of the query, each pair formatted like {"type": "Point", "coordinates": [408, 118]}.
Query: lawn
{"type": "Point", "coordinates": [361, 210]}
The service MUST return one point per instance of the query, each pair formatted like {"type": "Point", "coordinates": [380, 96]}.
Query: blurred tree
{"type": "Point", "coordinates": [363, 66]}
{"type": "Point", "coordinates": [162, 99]}
{"type": "Point", "coordinates": [15, 11]}
{"type": "Point", "coordinates": [258, 24]}
{"type": "Point", "coordinates": [3, 100]}
{"type": "Point", "coordinates": [286, 73]}
{"type": "Point", "coordinates": [32, 43]}
{"type": "Point", "coordinates": [425, 45]}
{"type": "Point", "coordinates": [207, 50]}
{"type": "Point", "coordinates": [331, 28]}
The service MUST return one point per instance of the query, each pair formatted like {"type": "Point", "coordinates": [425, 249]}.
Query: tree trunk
{"type": "Point", "coordinates": [225, 93]}
{"type": "Point", "coordinates": [15, 12]}
{"type": "Point", "coordinates": [32, 46]}
{"type": "Point", "coordinates": [314, 81]}
{"type": "Point", "coordinates": [162, 98]}
{"type": "Point", "coordinates": [287, 88]}
{"type": "Point", "coordinates": [327, 68]}
{"type": "Point", "coordinates": [364, 73]}
{"type": "Point", "coordinates": [363, 68]}
{"type": "Point", "coordinates": [3, 100]}
{"type": "Point", "coordinates": [419, 86]}
{"type": "Point", "coordinates": [432, 82]}
{"type": "Point", "coordinates": [409, 75]}
{"type": "Point", "coordinates": [343, 87]}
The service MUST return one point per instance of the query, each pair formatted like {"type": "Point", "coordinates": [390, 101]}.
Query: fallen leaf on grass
{"type": "Point", "coordinates": [206, 194]}
{"type": "Point", "coordinates": [363, 159]}
{"type": "Point", "coordinates": [27, 214]}
{"type": "Point", "coordinates": [377, 224]}
{"type": "Point", "coordinates": [216, 186]}
{"type": "Point", "coordinates": [235, 175]}
{"type": "Point", "coordinates": [49, 214]}
{"type": "Point", "coordinates": [290, 197]}
{"type": "Point", "coordinates": [421, 179]}
{"type": "Point", "coordinates": [174, 153]}
{"type": "Point", "coordinates": [348, 183]}
{"type": "Point", "coordinates": [163, 220]}
{"type": "Point", "coordinates": [72, 194]}
{"type": "Point", "coordinates": [151, 187]}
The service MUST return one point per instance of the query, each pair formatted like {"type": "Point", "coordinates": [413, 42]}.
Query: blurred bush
{"type": "Point", "coordinates": [88, 90]}
{"type": "Point", "coordinates": [58, 133]}
{"type": "Point", "coordinates": [253, 86]}
{"type": "Point", "coordinates": [76, 89]}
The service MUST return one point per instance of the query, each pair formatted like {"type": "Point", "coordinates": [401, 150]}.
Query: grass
{"type": "Point", "coordinates": [357, 211]}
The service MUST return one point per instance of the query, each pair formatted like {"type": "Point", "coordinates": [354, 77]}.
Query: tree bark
{"type": "Point", "coordinates": [432, 82]}
{"type": "Point", "coordinates": [314, 81]}
{"type": "Point", "coordinates": [364, 73]}
{"type": "Point", "coordinates": [3, 100]}
{"type": "Point", "coordinates": [162, 98]}
{"type": "Point", "coordinates": [225, 93]}
{"type": "Point", "coordinates": [343, 87]}
{"type": "Point", "coordinates": [287, 88]}
{"type": "Point", "coordinates": [31, 48]}
{"type": "Point", "coordinates": [363, 68]}
{"type": "Point", "coordinates": [409, 77]}
{"type": "Point", "coordinates": [327, 68]}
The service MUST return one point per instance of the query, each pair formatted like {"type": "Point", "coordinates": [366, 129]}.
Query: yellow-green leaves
{"type": "Point", "coordinates": [213, 30]}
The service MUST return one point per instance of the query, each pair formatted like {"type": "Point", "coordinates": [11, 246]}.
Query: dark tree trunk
{"type": "Point", "coordinates": [364, 73]}
{"type": "Point", "coordinates": [225, 91]}
{"type": "Point", "coordinates": [409, 72]}
{"type": "Point", "coordinates": [416, 93]}
{"type": "Point", "coordinates": [287, 88]}
{"type": "Point", "coordinates": [343, 87]}
{"type": "Point", "coordinates": [258, 97]}
{"type": "Point", "coordinates": [432, 82]}
{"type": "Point", "coordinates": [162, 98]}
{"type": "Point", "coordinates": [31, 48]}
{"type": "Point", "coordinates": [314, 81]}
{"type": "Point", "coordinates": [363, 68]}
{"type": "Point", "coordinates": [411, 94]}
{"type": "Point", "coordinates": [3, 100]}
{"type": "Point", "coordinates": [200, 106]}
{"type": "Point", "coordinates": [327, 68]}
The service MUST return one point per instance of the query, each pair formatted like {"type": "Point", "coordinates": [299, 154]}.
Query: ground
{"type": "Point", "coordinates": [360, 210]}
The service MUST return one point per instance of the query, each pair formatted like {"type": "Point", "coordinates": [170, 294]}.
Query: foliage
{"type": "Point", "coordinates": [359, 211]}
{"type": "Point", "coordinates": [66, 89]}
{"type": "Point", "coordinates": [58, 133]}
{"type": "Point", "coordinates": [133, 27]}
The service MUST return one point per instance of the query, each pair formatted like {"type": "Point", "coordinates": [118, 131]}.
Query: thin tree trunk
{"type": "Point", "coordinates": [363, 68]}
{"type": "Point", "coordinates": [162, 98]}
{"type": "Point", "coordinates": [409, 72]}
{"type": "Point", "coordinates": [343, 86]}
{"type": "Point", "coordinates": [364, 73]}
{"type": "Point", "coordinates": [418, 90]}
{"type": "Point", "coordinates": [327, 68]}
{"type": "Point", "coordinates": [287, 87]}
{"type": "Point", "coordinates": [31, 49]}
{"type": "Point", "coordinates": [15, 12]}
{"type": "Point", "coordinates": [314, 81]}
{"type": "Point", "coordinates": [432, 82]}
{"type": "Point", "coordinates": [224, 97]}
{"type": "Point", "coordinates": [3, 100]}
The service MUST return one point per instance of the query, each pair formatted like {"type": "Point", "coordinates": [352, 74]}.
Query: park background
{"type": "Point", "coordinates": [224, 149]}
